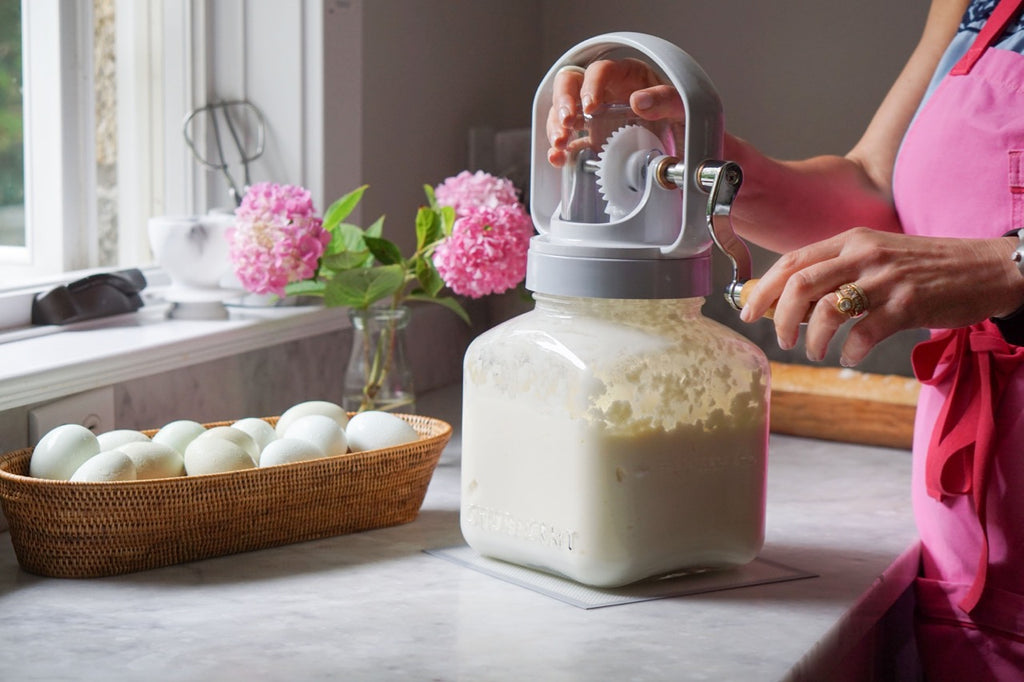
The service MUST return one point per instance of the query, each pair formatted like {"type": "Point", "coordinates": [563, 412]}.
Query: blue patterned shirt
{"type": "Point", "coordinates": [974, 18]}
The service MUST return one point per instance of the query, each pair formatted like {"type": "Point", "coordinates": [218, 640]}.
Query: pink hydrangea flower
{"type": "Point", "coordinates": [277, 237]}
{"type": "Point", "coordinates": [486, 252]}
{"type": "Point", "coordinates": [467, 191]}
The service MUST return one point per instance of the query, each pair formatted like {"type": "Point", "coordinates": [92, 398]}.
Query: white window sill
{"type": "Point", "coordinates": [103, 352]}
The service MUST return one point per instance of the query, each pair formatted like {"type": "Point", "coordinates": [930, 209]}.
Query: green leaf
{"type": "Point", "coordinates": [347, 249]}
{"type": "Point", "coordinates": [428, 277]}
{"type": "Point", "coordinates": [341, 208]}
{"type": "Point", "coordinates": [447, 220]}
{"type": "Point", "coordinates": [384, 251]}
{"type": "Point", "coordinates": [428, 228]}
{"type": "Point", "coordinates": [351, 236]}
{"type": "Point", "coordinates": [347, 260]}
{"type": "Point", "coordinates": [306, 287]}
{"type": "Point", "coordinates": [376, 229]}
{"type": "Point", "coordinates": [431, 197]}
{"type": "Point", "coordinates": [446, 301]}
{"type": "Point", "coordinates": [362, 287]}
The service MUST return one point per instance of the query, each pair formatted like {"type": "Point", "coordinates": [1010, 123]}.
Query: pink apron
{"type": "Point", "coordinates": [960, 173]}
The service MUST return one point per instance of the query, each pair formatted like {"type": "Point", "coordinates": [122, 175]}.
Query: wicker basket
{"type": "Point", "coordinates": [88, 530]}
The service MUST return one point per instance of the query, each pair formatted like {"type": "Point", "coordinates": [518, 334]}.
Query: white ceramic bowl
{"type": "Point", "coordinates": [193, 250]}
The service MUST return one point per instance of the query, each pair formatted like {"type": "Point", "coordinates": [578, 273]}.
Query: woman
{"type": "Point", "coordinates": [915, 227]}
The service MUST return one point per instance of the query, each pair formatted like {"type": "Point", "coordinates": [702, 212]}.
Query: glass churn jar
{"type": "Point", "coordinates": [613, 433]}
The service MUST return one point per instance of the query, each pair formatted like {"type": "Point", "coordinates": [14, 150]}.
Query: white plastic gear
{"type": "Point", "coordinates": [620, 168]}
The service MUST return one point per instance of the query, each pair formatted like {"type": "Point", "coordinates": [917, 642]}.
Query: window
{"type": "Point", "coordinates": [57, 127]}
{"type": "Point", "coordinates": [104, 89]}
{"type": "Point", "coordinates": [12, 159]}
{"type": "Point", "coordinates": [61, 129]}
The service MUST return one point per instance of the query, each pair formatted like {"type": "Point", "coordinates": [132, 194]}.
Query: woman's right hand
{"type": "Point", "coordinates": [605, 82]}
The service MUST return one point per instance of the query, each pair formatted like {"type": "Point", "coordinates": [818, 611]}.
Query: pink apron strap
{"type": "Point", "coordinates": [993, 28]}
{"type": "Point", "coordinates": [964, 437]}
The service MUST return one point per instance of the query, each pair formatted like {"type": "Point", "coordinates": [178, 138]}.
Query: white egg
{"type": "Point", "coordinates": [61, 451]}
{"type": "Point", "coordinates": [109, 465]}
{"type": "Point", "coordinates": [321, 431]}
{"type": "Point", "coordinates": [236, 436]}
{"type": "Point", "coordinates": [154, 460]}
{"type": "Point", "coordinates": [322, 407]}
{"type": "Point", "coordinates": [110, 440]}
{"type": "Point", "coordinates": [373, 430]}
{"type": "Point", "coordinates": [178, 434]}
{"type": "Point", "coordinates": [287, 450]}
{"type": "Point", "coordinates": [260, 430]}
{"type": "Point", "coordinates": [214, 456]}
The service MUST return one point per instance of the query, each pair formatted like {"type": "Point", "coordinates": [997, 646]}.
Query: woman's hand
{"type": "Point", "coordinates": [604, 82]}
{"type": "Point", "coordinates": [910, 282]}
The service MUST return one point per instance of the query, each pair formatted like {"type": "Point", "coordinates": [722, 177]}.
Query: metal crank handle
{"type": "Point", "coordinates": [739, 295]}
{"type": "Point", "coordinates": [722, 180]}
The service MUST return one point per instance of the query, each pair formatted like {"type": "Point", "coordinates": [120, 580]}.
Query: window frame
{"type": "Point", "coordinates": [142, 68]}
{"type": "Point", "coordinates": [165, 67]}
{"type": "Point", "coordinates": [59, 139]}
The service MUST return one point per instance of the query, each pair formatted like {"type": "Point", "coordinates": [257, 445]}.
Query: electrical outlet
{"type": "Point", "coordinates": [92, 409]}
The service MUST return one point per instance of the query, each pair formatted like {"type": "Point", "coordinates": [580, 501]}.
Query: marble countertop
{"type": "Point", "coordinates": [374, 606]}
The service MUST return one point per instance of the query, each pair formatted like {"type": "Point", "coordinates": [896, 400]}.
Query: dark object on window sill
{"type": "Point", "coordinates": [102, 295]}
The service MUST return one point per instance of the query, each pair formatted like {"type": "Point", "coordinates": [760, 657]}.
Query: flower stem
{"type": "Point", "coordinates": [380, 365]}
{"type": "Point", "coordinates": [384, 341]}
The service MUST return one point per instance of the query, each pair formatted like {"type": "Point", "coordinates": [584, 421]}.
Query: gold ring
{"type": "Point", "coordinates": [851, 300]}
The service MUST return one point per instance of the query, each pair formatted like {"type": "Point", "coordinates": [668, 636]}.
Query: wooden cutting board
{"type": "Point", "coordinates": [843, 405]}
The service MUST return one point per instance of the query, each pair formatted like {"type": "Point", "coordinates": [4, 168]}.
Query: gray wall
{"type": "Point", "coordinates": [797, 78]}
{"type": "Point", "coordinates": [432, 69]}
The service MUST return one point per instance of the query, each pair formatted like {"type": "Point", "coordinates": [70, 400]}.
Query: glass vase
{"type": "Point", "coordinates": [378, 376]}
